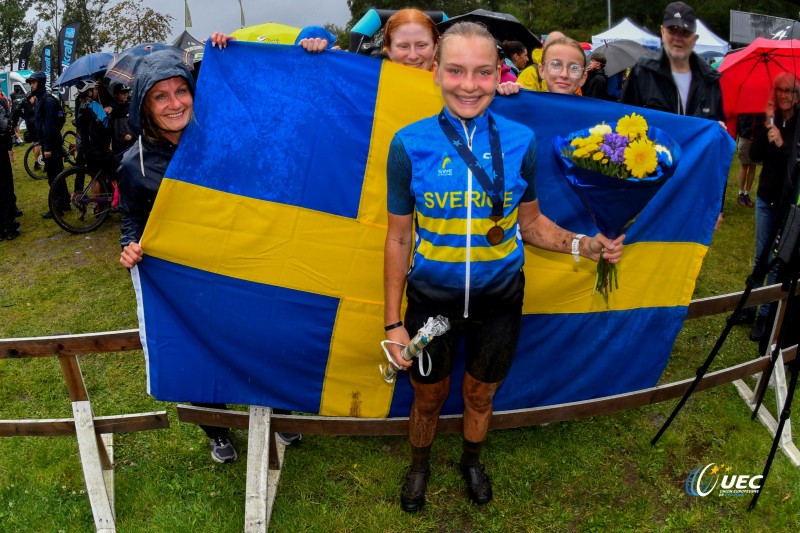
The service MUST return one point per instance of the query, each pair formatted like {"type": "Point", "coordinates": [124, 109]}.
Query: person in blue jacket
{"type": "Point", "coordinates": [465, 179]}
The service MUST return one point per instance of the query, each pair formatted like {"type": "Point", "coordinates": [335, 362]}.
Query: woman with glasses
{"type": "Point", "coordinates": [463, 258]}
{"type": "Point", "coordinates": [772, 146]}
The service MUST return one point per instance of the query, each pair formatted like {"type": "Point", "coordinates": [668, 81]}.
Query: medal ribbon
{"type": "Point", "coordinates": [495, 188]}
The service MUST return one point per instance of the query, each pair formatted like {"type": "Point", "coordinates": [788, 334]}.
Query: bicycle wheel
{"type": "Point", "coordinates": [89, 201]}
{"type": "Point", "coordinates": [70, 141]}
{"type": "Point", "coordinates": [34, 166]}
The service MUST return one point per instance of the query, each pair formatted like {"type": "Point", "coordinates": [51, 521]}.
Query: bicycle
{"type": "Point", "coordinates": [89, 204]}
{"type": "Point", "coordinates": [34, 165]}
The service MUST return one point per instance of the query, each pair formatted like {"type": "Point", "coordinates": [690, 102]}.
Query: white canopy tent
{"type": "Point", "coordinates": [707, 41]}
{"type": "Point", "coordinates": [626, 29]}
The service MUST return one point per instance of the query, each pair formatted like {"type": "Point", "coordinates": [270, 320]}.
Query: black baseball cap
{"type": "Point", "coordinates": [680, 15]}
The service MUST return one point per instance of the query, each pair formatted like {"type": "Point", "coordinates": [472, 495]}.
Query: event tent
{"type": "Point", "coordinates": [707, 41]}
{"type": "Point", "coordinates": [626, 29]}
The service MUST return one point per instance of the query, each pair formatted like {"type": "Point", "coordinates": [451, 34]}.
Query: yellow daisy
{"type": "Point", "coordinates": [640, 158]}
{"type": "Point", "coordinates": [632, 126]}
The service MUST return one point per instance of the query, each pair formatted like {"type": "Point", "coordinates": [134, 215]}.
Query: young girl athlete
{"type": "Point", "coordinates": [468, 253]}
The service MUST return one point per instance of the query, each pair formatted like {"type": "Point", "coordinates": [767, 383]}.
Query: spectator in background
{"type": "Point", "coordinates": [674, 79]}
{"type": "Point", "coordinates": [92, 130]}
{"type": "Point", "coordinates": [745, 128]}
{"type": "Point", "coordinates": [48, 133]}
{"type": "Point", "coordinates": [772, 146]}
{"type": "Point", "coordinates": [121, 137]}
{"type": "Point", "coordinates": [516, 56]}
{"type": "Point", "coordinates": [9, 227]}
{"type": "Point", "coordinates": [596, 85]}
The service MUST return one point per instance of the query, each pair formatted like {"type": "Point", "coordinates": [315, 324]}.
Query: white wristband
{"type": "Point", "coordinates": [576, 246]}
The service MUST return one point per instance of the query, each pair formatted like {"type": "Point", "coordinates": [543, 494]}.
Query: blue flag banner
{"type": "Point", "coordinates": [262, 281]}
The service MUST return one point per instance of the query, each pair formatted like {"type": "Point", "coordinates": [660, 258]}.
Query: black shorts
{"type": "Point", "coordinates": [491, 341]}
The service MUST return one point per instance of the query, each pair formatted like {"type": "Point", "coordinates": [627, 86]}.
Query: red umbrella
{"type": "Point", "coordinates": [748, 74]}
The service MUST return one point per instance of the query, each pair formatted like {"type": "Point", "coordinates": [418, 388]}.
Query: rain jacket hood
{"type": "Point", "coordinates": [41, 79]}
{"type": "Point", "coordinates": [157, 66]}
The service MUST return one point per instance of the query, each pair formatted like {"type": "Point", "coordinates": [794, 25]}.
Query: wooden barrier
{"type": "Point", "coordinates": [265, 456]}
{"type": "Point", "coordinates": [95, 435]}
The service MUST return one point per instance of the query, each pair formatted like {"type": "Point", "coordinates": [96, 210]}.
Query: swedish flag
{"type": "Point", "coordinates": [263, 279]}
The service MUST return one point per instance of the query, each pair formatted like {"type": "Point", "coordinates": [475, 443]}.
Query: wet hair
{"type": "Point", "coordinates": [565, 41]}
{"type": "Point", "coordinates": [786, 78]}
{"type": "Point", "coordinates": [150, 130]}
{"type": "Point", "coordinates": [511, 48]}
{"type": "Point", "coordinates": [408, 16]}
{"type": "Point", "coordinates": [600, 57]}
{"type": "Point", "coordinates": [466, 29]}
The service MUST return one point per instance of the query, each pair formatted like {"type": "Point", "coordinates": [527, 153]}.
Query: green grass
{"type": "Point", "coordinates": [596, 474]}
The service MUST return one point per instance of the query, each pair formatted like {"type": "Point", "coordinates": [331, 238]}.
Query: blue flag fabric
{"type": "Point", "coordinates": [262, 280]}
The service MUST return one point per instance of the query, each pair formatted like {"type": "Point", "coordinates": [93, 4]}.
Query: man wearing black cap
{"type": "Point", "coordinates": [675, 79]}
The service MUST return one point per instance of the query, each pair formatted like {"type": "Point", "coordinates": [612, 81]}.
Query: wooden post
{"type": "Point", "coordinates": [95, 458]}
{"type": "Point", "coordinates": [262, 478]}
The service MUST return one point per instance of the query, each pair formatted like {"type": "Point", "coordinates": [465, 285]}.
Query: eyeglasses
{"type": "Point", "coordinates": [677, 30]}
{"type": "Point", "coordinates": [783, 90]}
{"type": "Point", "coordinates": [555, 66]}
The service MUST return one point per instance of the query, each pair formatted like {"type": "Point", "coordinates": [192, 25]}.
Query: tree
{"type": "Point", "coordinates": [129, 23]}
{"type": "Point", "coordinates": [14, 30]}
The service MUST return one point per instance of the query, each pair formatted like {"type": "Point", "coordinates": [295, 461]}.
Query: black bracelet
{"type": "Point", "coordinates": [393, 326]}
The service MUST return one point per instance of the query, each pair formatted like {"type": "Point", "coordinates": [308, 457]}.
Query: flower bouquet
{"type": "Point", "coordinates": [615, 169]}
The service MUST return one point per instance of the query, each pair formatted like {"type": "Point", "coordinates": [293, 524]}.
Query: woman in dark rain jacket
{"type": "Point", "coordinates": [161, 108]}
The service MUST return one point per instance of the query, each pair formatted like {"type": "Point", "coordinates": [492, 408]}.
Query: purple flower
{"type": "Point", "coordinates": [613, 147]}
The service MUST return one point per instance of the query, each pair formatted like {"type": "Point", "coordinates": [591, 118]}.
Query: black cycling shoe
{"type": "Point", "coordinates": [412, 495]}
{"type": "Point", "coordinates": [479, 487]}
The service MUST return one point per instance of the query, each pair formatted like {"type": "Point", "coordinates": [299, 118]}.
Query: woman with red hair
{"type": "Point", "coordinates": [410, 38]}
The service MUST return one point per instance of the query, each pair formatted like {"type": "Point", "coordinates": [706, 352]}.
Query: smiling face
{"type": "Point", "coordinates": [169, 104]}
{"type": "Point", "coordinates": [786, 95]}
{"type": "Point", "coordinates": [468, 74]}
{"type": "Point", "coordinates": [412, 45]}
{"type": "Point", "coordinates": [563, 68]}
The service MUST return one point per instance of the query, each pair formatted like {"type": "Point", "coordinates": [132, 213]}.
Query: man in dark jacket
{"type": "Point", "coordinates": [675, 79]}
{"type": "Point", "coordinates": [596, 85]}
{"type": "Point", "coordinates": [121, 138]}
{"type": "Point", "coordinates": [9, 227]}
{"type": "Point", "coordinates": [48, 133]}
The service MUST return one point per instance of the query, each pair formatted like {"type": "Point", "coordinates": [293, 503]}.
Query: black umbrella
{"type": "Point", "coordinates": [187, 43]}
{"type": "Point", "coordinates": [785, 32]}
{"type": "Point", "coordinates": [503, 26]}
{"type": "Point", "coordinates": [621, 54]}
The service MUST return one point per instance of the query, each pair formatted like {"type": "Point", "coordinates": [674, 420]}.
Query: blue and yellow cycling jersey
{"type": "Point", "coordinates": [452, 258]}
